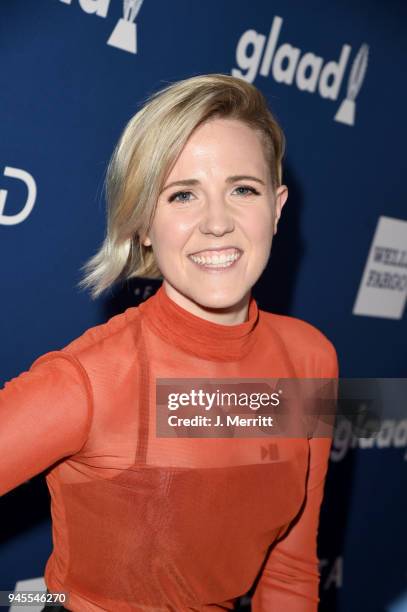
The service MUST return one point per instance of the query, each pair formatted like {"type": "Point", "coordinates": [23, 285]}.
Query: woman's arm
{"type": "Point", "coordinates": [45, 414]}
{"type": "Point", "coordinates": [290, 578]}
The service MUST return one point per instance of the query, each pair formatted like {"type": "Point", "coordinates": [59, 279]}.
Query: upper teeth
{"type": "Point", "coordinates": [214, 259]}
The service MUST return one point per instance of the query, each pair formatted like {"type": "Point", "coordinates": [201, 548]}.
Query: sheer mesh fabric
{"type": "Point", "coordinates": [141, 522]}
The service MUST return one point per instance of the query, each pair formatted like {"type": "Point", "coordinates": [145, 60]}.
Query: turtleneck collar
{"type": "Point", "coordinates": [198, 336]}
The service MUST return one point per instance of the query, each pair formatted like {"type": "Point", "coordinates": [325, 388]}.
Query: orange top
{"type": "Point", "coordinates": [141, 522]}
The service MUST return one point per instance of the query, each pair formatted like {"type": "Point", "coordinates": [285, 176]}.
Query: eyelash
{"type": "Point", "coordinates": [177, 193]}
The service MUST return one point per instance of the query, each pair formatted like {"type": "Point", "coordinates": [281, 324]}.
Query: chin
{"type": "Point", "coordinates": [207, 296]}
{"type": "Point", "coordinates": [215, 299]}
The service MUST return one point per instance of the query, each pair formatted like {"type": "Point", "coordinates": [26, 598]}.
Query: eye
{"type": "Point", "coordinates": [174, 196]}
{"type": "Point", "coordinates": [251, 189]}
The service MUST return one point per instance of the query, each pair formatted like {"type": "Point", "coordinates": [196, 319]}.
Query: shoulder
{"type": "Point", "coordinates": [100, 347]}
{"type": "Point", "coordinates": [108, 340]}
{"type": "Point", "coordinates": [296, 331]}
{"type": "Point", "coordinates": [89, 367]}
{"type": "Point", "coordinates": [304, 342]}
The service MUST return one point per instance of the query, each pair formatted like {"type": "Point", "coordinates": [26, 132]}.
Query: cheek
{"type": "Point", "coordinates": [169, 235]}
{"type": "Point", "coordinates": [259, 227]}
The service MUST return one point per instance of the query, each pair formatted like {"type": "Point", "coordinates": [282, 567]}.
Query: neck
{"type": "Point", "coordinates": [195, 334]}
{"type": "Point", "coordinates": [230, 315]}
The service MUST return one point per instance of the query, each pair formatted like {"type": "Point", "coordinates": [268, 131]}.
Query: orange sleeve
{"type": "Point", "coordinates": [290, 577]}
{"type": "Point", "coordinates": [45, 414]}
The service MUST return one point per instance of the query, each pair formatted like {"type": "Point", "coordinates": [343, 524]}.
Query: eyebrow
{"type": "Point", "coordinates": [230, 179]}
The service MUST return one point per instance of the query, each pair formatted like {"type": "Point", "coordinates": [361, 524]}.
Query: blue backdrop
{"type": "Point", "coordinates": [74, 71]}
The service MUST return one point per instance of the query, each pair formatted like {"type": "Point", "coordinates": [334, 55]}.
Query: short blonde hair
{"type": "Point", "coordinates": [145, 154]}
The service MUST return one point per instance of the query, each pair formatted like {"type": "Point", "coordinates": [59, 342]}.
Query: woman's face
{"type": "Point", "coordinates": [223, 205]}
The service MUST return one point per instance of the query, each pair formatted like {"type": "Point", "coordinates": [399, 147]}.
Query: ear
{"type": "Point", "coordinates": [281, 198]}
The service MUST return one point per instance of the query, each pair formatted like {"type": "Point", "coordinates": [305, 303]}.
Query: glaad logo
{"type": "Point", "coordinates": [27, 178]}
{"type": "Point", "coordinates": [124, 35]}
{"type": "Point", "coordinates": [392, 434]}
{"type": "Point", "coordinates": [98, 7]}
{"type": "Point", "coordinates": [346, 111]}
{"type": "Point", "coordinates": [287, 66]}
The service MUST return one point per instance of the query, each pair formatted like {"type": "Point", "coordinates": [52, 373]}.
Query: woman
{"type": "Point", "coordinates": [147, 522]}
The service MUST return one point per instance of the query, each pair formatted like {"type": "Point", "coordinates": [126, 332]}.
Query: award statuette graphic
{"type": "Point", "coordinates": [346, 111]}
{"type": "Point", "coordinates": [124, 35]}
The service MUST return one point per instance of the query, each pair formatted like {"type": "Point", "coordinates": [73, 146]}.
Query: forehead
{"type": "Point", "coordinates": [225, 141]}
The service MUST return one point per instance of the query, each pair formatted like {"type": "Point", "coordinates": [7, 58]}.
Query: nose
{"type": "Point", "coordinates": [217, 218]}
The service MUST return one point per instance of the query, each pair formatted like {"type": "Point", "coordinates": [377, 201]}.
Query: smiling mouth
{"type": "Point", "coordinates": [219, 261]}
